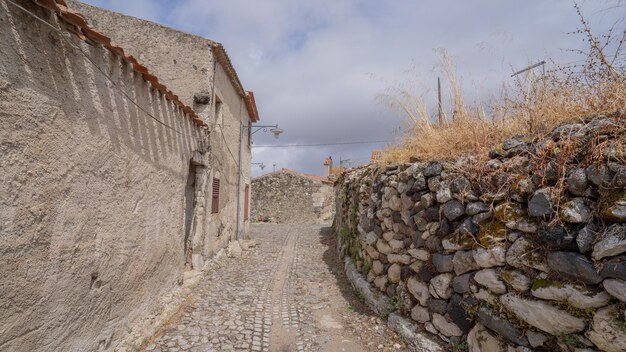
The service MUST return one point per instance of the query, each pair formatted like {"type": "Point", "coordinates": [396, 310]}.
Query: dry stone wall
{"type": "Point", "coordinates": [287, 196]}
{"type": "Point", "coordinates": [526, 251]}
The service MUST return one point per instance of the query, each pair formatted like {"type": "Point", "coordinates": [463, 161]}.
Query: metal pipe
{"type": "Point", "coordinates": [241, 133]}
{"type": "Point", "coordinates": [238, 229]}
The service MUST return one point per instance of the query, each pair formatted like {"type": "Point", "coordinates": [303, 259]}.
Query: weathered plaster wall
{"type": "Point", "coordinates": [225, 144]}
{"type": "Point", "coordinates": [186, 64]}
{"type": "Point", "coordinates": [524, 251]}
{"type": "Point", "coordinates": [287, 196]}
{"type": "Point", "coordinates": [91, 190]}
{"type": "Point", "coordinates": [182, 61]}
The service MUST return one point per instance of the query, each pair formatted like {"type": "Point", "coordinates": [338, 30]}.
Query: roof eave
{"type": "Point", "coordinates": [221, 56]}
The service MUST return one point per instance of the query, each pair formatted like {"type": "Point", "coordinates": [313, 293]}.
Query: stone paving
{"type": "Point", "coordinates": [288, 294]}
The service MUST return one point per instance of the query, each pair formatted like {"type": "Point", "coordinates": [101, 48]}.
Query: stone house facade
{"type": "Point", "coordinates": [287, 196]}
{"type": "Point", "coordinates": [200, 72]}
{"type": "Point", "coordinates": [119, 156]}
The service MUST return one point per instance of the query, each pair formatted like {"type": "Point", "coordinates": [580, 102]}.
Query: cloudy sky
{"type": "Point", "coordinates": [316, 67]}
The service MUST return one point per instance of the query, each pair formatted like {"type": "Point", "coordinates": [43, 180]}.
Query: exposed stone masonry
{"type": "Point", "coordinates": [524, 251]}
{"type": "Point", "coordinates": [287, 196]}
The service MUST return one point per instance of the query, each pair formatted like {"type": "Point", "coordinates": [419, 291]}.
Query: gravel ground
{"type": "Point", "coordinates": [288, 294]}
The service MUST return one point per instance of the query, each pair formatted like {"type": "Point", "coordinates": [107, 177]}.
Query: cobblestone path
{"type": "Point", "coordinates": [288, 294]}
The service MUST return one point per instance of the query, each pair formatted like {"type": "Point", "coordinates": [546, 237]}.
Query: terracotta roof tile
{"type": "Point", "coordinates": [158, 86]}
{"type": "Point", "coordinates": [221, 56]}
{"type": "Point", "coordinates": [251, 106]}
{"type": "Point", "coordinates": [149, 77]}
{"type": "Point", "coordinates": [73, 17]}
{"type": "Point", "coordinates": [96, 36]}
{"type": "Point", "coordinates": [77, 31]}
{"type": "Point", "coordinates": [85, 32]}
{"type": "Point", "coordinates": [116, 49]}
{"type": "Point", "coordinates": [140, 68]}
{"type": "Point", "coordinates": [131, 59]}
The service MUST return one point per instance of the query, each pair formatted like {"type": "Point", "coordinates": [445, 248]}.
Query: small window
{"type": "Point", "coordinates": [215, 201]}
{"type": "Point", "coordinates": [246, 204]}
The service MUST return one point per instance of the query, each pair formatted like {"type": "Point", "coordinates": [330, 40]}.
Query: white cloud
{"type": "Point", "coordinates": [310, 62]}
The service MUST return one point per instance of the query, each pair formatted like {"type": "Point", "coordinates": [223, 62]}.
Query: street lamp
{"type": "Point", "coordinates": [261, 165]}
{"type": "Point", "coordinates": [276, 132]}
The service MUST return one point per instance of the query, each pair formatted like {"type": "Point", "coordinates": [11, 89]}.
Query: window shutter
{"type": "Point", "coordinates": [215, 201]}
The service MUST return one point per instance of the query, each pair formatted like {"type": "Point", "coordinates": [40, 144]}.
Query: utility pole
{"type": "Point", "coordinates": [242, 127]}
{"type": "Point", "coordinates": [541, 63]}
{"type": "Point", "coordinates": [439, 100]}
{"type": "Point", "coordinates": [343, 161]}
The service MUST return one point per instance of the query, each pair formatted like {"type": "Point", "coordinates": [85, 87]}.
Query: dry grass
{"type": "Point", "coordinates": [531, 107]}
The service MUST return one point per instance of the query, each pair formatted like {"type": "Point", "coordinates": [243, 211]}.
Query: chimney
{"type": "Point", "coordinates": [328, 166]}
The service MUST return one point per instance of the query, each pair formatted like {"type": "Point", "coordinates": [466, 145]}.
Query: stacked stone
{"type": "Point", "coordinates": [521, 268]}
{"type": "Point", "coordinates": [287, 196]}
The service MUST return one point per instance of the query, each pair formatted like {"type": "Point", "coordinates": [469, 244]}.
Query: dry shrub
{"type": "Point", "coordinates": [531, 107]}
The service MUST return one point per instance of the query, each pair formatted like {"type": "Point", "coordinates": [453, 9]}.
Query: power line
{"type": "Point", "coordinates": [319, 144]}
{"type": "Point", "coordinates": [119, 89]}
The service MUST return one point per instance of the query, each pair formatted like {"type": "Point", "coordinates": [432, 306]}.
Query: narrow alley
{"type": "Point", "coordinates": [287, 294]}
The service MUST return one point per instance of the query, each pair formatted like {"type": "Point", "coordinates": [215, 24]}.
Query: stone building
{"type": "Point", "coordinates": [119, 150]}
{"type": "Point", "coordinates": [286, 196]}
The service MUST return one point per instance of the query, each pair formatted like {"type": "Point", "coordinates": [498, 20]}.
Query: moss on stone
{"type": "Point", "coordinates": [544, 283]}
{"type": "Point", "coordinates": [509, 211]}
{"type": "Point", "coordinates": [523, 184]}
{"type": "Point", "coordinates": [492, 233]}
{"type": "Point", "coordinates": [506, 276]}
{"type": "Point", "coordinates": [608, 204]}
{"type": "Point", "coordinates": [351, 246]}
{"type": "Point", "coordinates": [367, 265]}
{"type": "Point", "coordinates": [353, 219]}
{"type": "Point", "coordinates": [342, 194]}
{"type": "Point", "coordinates": [585, 314]}
{"type": "Point", "coordinates": [497, 307]}
{"type": "Point", "coordinates": [462, 242]}
{"type": "Point", "coordinates": [572, 341]}
{"type": "Point", "coordinates": [617, 315]}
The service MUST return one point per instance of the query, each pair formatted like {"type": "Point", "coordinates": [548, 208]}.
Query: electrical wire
{"type": "Point", "coordinates": [62, 35]}
{"type": "Point", "coordinates": [320, 144]}
{"type": "Point", "coordinates": [228, 148]}
{"type": "Point", "coordinates": [98, 68]}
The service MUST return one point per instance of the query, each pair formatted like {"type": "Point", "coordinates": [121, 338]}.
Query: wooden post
{"type": "Point", "coordinates": [439, 100]}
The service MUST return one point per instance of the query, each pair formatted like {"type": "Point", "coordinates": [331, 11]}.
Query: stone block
{"type": "Point", "coordinates": [542, 315]}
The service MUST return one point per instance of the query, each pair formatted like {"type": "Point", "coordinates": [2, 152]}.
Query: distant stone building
{"type": "Point", "coordinates": [377, 156]}
{"type": "Point", "coordinates": [328, 166]}
{"type": "Point", "coordinates": [119, 144]}
{"type": "Point", "coordinates": [287, 196]}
